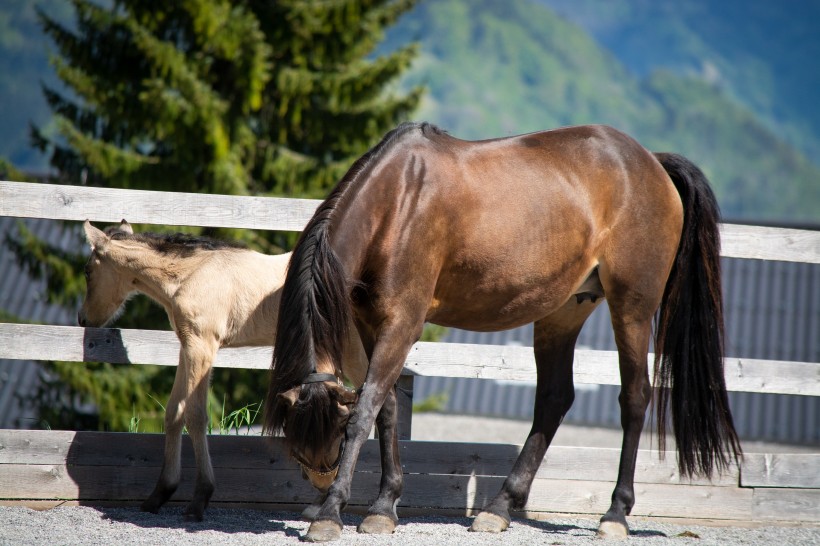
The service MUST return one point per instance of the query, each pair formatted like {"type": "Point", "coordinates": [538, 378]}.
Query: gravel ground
{"type": "Point", "coordinates": [125, 526]}
{"type": "Point", "coordinates": [223, 526]}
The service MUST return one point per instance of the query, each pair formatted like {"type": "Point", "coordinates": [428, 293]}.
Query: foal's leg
{"type": "Point", "coordinates": [382, 518]}
{"type": "Point", "coordinates": [187, 405]}
{"type": "Point", "coordinates": [554, 343]}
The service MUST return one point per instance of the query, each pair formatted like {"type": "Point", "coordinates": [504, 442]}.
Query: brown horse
{"type": "Point", "coordinates": [492, 235]}
{"type": "Point", "coordinates": [216, 294]}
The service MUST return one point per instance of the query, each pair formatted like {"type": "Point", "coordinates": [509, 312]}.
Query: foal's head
{"type": "Point", "coordinates": [106, 288]}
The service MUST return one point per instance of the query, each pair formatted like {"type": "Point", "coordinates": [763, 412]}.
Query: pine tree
{"type": "Point", "coordinates": [228, 97]}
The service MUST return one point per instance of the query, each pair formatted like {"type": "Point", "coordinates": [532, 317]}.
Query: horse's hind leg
{"type": "Point", "coordinates": [554, 343]}
{"type": "Point", "coordinates": [632, 339]}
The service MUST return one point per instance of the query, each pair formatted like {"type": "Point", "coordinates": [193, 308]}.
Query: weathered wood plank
{"type": "Point", "coordinates": [255, 452]}
{"type": "Point", "coordinates": [500, 362]}
{"type": "Point", "coordinates": [28, 200]}
{"type": "Point", "coordinates": [773, 504]}
{"type": "Point", "coordinates": [421, 490]}
{"type": "Point", "coordinates": [798, 470]}
{"type": "Point", "coordinates": [767, 243]}
{"type": "Point", "coordinates": [25, 200]}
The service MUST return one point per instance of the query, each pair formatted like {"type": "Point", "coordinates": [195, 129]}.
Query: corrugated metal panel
{"type": "Point", "coordinates": [772, 312]}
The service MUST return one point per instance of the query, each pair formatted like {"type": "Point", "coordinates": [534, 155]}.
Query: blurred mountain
{"type": "Point", "coordinates": [23, 66]}
{"type": "Point", "coordinates": [763, 54]}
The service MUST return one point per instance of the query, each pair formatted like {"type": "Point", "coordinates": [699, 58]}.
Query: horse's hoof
{"type": "Point", "coordinates": [323, 531]}
{"type": "Point", "coordinates": [612, 530]}
{"type": "Point", "coordinates": [487, 522]}
{"type": "Point", "coordinates": [150, 506]}
{"type": "Point", "coordinates": [377, 524]}
{"type": "Point", "coordinates": [310, 513]}
{"type": "Point", "coordinates": [192, 515]}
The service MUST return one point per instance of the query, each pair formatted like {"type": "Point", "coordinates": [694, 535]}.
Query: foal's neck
{"type": "Point", "coordinates": [155, 274]}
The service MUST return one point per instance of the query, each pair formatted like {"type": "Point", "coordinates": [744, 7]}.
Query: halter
{"type": "Point", "coordinates": [320, 378]}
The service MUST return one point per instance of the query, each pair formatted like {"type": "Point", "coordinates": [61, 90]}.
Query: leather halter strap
{"type": "Point", "coordinates": [319, 378]}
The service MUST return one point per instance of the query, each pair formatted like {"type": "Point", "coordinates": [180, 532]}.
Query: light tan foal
{"type": "Point", "coordinates": [216, 295]}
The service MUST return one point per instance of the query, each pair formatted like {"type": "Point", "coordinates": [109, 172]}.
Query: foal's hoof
{"type": "Point", "coordinates": [612, 530]}
{"type": "Point", "coordinates": [323, 531]}
{"type": "Point", "coordinates": [377, 524]}
{"type": "Point", "coordinates": [487, 522]}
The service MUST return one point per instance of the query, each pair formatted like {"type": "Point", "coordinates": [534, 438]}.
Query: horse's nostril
{"type": "Point", "coordinates": [80, 320]}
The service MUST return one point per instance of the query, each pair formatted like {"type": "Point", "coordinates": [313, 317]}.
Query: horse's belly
{"type": "Point", "coordinates": [473, 306]}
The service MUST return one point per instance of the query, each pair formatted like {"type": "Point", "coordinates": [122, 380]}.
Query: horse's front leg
{"type": "Point", "coordinates": [382, 517]}
{"type": "Point", "coordinates": [385, 367]}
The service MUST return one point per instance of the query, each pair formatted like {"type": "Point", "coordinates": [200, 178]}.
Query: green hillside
{"type": "Point", "coordinates": [503, 68]}
{"type": "Point", "coordinates": [762, 53]}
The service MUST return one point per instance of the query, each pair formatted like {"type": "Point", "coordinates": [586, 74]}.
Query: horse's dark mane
{"type": "Point", "coordinates": [179, 244]}
{"type": "Point", "coordinates": [314, 313]}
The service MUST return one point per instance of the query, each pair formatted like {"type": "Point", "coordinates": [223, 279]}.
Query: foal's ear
{"type": "Point", "coordinates": [126, 227]}
{"type": "Point", "coordinates": [94, 236]}
{"type": "Point", "coordinates": [290, 396]}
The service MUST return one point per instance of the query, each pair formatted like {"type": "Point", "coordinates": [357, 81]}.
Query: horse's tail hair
{"type": "Point", "coordinates": [314, 317]}
{"type": "Point", "coordinates": [689, 336]}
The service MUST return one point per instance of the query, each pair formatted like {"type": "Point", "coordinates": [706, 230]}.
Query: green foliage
{"type": "Point", "coordinates": [434, 402]}
{"type": "Point", "coordinates": [238, 418]}
{"type": "Point", "coordinates": [228, 97]}
{"type": "Point", "coordinates": [432, 332]}
{"type": "Point", "coordinates": [223, 97]}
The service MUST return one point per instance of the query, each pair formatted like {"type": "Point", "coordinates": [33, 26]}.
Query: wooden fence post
{"type": "Point", "coordinates": [404, 400]}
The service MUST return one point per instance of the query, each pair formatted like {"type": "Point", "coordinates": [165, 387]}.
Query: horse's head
{"type": "Point", "coordinates": [106, 289]}
{"type": "Point", "coordinates": [315, 417]}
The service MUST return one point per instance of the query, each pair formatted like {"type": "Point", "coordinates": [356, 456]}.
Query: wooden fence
{"type": "Point", "coordinates": [45, 468]}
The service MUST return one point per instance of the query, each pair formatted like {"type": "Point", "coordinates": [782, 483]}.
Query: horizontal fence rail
{"type": "Point", "coordinates": [27, 200]}
{"type": "Point", "coordinates": [499, 362]}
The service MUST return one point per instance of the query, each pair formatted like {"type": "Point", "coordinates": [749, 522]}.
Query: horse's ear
{"type": "Point", "coordinates": [290, 397]}
{"type": "Point", "coordinates": [94, 236]}
{"type": "Point", "coordinates": [342, 395]}
{"type": "Point", "coordinates": [126, 227]}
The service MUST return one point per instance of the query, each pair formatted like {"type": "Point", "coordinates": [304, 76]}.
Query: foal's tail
{"type": "Point", "coordinates": [689, 337]}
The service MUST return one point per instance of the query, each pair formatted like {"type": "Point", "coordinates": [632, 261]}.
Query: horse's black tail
{"type": "Point", "coordinates": [689, 336]}
{"type": "Point", "coordinates": [313, 324]}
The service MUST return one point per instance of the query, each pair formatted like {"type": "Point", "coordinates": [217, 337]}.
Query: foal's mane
{"type": "Point", "coordinates": [314, 312]}
{"type": "Point", "coordinates": [174, 244]}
